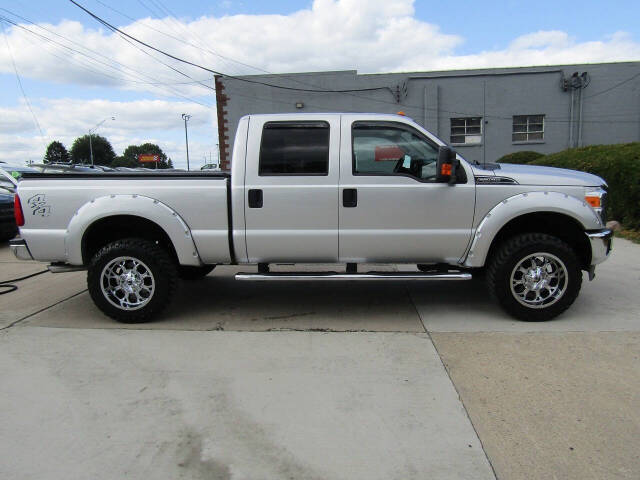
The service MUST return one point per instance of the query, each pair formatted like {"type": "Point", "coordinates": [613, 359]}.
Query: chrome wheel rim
{"type": "Point", "coordinates": [539, 280]}
{"type": "Point", "coordinates": [127, 283]}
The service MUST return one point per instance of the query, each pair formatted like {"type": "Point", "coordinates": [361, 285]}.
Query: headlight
{"type": "Point", "coordinates": [597, 199]}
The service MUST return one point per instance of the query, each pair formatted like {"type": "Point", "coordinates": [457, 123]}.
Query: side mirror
{"type": "Point", "coordinates": [446, 165]}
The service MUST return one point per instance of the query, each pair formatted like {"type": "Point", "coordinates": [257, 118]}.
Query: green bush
{"type": "Point", "coordinates": [520, 157]}
{"type": "Point", "coordinates": [619, 165]}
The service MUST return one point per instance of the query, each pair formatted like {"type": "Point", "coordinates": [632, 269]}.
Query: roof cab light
{"type": "Point", "coordinates": [17, 211]}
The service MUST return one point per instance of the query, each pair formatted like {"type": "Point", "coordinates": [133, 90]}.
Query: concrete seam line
{"type": "Point", "coordinates": [20, 320]}
{"type": "Point", "coordinates": [406, 288]}
{"type": "Point", "coordinates": [466, 412]}
{"type": "Point", "coordinates": [213, 330]}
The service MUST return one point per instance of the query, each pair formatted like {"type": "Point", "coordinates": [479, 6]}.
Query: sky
{"type": "Point", "coordinates": [62, 73]}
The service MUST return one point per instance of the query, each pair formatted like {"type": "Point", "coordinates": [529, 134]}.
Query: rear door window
{"type": "Point", "coordinates": [294, 148]}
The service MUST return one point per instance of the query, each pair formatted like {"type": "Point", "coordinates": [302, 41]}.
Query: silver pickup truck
{"type": "Point", "coordinates": [322, 188]}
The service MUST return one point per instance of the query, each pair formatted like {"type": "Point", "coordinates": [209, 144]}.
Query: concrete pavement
{"type": "Point", "coordinates": [259, 389]}
{"type": "Point", "coordinates": [34, 294]}
{"type": "Point", "coordinates": [551, 405]}
{"type": "Point", "coordinates": [109, 404]}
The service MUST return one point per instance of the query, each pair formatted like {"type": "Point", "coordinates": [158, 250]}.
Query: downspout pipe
{"type": "Point", "coordinates": [580, 115]}
{"type": "Point", "coordinates": [571, 119]}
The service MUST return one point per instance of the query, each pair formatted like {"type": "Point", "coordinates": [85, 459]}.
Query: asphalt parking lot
{"type": "Point", "coordinates": [320, 381]}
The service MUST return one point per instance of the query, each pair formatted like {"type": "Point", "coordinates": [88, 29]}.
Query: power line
{"type": "Point", "coordinates": [614, 86]}
{"type": "Point", "coordinates": [215, 72]}
{"type": "Point", "coordinates": [346, 91]}
{"type": "Point", "coordinates": [182, 40]}
{"type": "Point", "coordinates": [139, 75]}
{"type": "Point", "coordinates": [205, 49]}
{"type": "Point", "coordinates": [180, 72]}
{"type": "Point", "coordinates": [24, 95]}
{"type": "Point", "coordinates": [307, 90]}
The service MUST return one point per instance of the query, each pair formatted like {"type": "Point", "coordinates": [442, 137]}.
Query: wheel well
{"type": "Point", "coordinates": [561, 226]}
{"type": "Point", "coordinates": [116, 227]}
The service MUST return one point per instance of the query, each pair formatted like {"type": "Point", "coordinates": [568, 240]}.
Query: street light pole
{"type": "Point", "coordinates": [186, 118]}
{"type": "Point", "coordinates": [91, 134]}
{"type": "Point", "coordinates": [91, 147]}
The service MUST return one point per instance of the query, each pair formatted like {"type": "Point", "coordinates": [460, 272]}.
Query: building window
{"type": "Point", "coordinates": [466, 131]}
{"type": "Point", "coordinates": [294, 148]}
{"type": "Point", "coordinates": [528, 128]}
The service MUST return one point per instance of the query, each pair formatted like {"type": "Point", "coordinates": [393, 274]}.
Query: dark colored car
{"type": "Point", "coordinates": [8, 228]}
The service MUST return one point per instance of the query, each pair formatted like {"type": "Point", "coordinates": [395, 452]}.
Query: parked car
{"type": "Point", "coordinates": [8, 227]}
{"type": "Point", "coordinates": [10, 175]}
{"type": "Point", "coordinates": [70, 167]}
{"type": "Point", "coordinates": [319, 188]}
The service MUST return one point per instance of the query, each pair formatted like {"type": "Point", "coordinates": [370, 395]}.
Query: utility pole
{"type": "Point", "coordinates": [186, 118]}
{"type": "Point", "coordinates": [91, 134]}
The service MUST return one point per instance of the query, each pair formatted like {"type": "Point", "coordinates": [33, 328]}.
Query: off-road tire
{"type": "Point", "coordinates": [510, 253]}
{"type": "Point", "coordinates": [159, 262]}
{"type": "Point", "coordinates": [187, 272]}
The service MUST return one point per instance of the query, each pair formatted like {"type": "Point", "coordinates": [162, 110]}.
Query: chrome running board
{"type": "Point", "coordinates": [376, 276]}
{"type": "Point", "coordinates": [65, 267]}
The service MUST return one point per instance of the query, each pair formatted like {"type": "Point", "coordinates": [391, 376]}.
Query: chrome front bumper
{"type": "Point", "coordinates": [600, 245]}
{"type": "Point", "coordinates": [19, 248]}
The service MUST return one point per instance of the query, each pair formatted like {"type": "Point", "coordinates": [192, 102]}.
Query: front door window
{"type": "Point", "coordinates": [388, 149]}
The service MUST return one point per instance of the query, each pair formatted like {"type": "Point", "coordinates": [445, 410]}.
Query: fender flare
{"type": "Point", "coordinates": [522, 204]}
{"type": "Point", "coordinates": [134, 205]}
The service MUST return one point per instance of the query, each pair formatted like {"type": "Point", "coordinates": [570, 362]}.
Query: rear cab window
{"type": "Point", "coordinates": [294, 148]}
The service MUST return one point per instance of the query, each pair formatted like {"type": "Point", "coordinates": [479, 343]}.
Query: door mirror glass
{"type": "Point", "coordinates": [446, 165]}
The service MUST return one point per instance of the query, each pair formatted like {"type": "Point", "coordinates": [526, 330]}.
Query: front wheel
{"type": "Point", "coordinates": [132, 280]}
{"type": "Point", "coordinates": [534, 276]}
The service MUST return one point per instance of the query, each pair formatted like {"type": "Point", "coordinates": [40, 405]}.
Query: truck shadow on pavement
{"type": "Point", "coordinates": [218, 302]}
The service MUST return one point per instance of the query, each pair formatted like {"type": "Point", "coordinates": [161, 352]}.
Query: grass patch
{"type": "Point", "coordinates": [633, 235]}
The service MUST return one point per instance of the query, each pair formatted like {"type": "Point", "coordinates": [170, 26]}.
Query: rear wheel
{"type": "Point", "coordinates": [132, 280]}
{"type": "Point", "coordinates": [534, 276]}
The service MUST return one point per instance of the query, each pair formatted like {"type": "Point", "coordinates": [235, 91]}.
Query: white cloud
{"type": "Point", "coordinates": [542, 48]}
{"type": "Point", "coordinates": [156, 121]}
{"type": "Point", "coordinates": [367, 35]}
{"type": "Point", "coordinates": [370, 35]}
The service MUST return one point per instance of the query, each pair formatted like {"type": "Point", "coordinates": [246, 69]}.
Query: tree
{"type": "Point", "coordinates": [56, 153]}
{"type": "Point", "coordinates": [103, 153]}
{"type": "Point", "coordinates": [124, 162]}
{"type": "Point", "coordinates": [169, 164]}
{"type": "Point", "coordinates": [132, 151]}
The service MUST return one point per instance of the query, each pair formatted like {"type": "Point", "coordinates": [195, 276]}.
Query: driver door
{"type": "Point", "coordinates": [391, 208]}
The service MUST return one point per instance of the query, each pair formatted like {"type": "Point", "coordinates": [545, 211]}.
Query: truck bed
{"type": "Point", "coordinates": [50, 202]}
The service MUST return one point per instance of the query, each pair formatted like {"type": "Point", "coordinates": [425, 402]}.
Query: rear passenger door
{"type": "Point", "coordinates": [291, 189]}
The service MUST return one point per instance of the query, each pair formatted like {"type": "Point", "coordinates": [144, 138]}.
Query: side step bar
{"type": "Point", "coordinates": [65, 267]}
{"type": "Point", "coordinates": [376, 276]}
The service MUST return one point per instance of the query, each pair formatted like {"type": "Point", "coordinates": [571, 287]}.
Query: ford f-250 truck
{"type": "Point", "coordinates": [322, 188]}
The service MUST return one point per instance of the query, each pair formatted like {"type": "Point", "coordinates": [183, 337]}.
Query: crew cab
{"type": "Point", "coordinates": [322, 188]}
